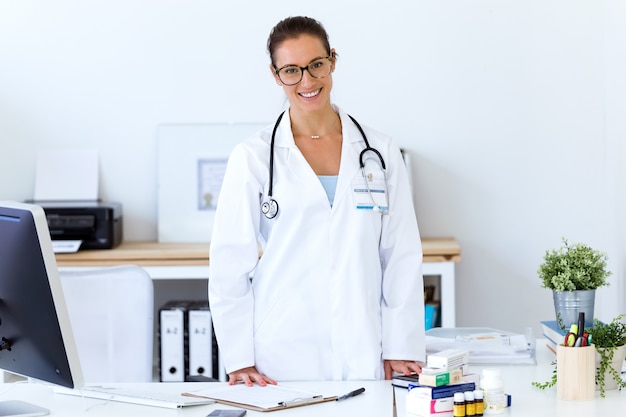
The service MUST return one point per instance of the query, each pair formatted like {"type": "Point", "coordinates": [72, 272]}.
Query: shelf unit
{"type": "Point", "coordinates": [170, 263]}
{"type": "Point", "coordinates": [190, 261]}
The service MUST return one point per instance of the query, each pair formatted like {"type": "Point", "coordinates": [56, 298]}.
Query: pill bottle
{"type": "Point", "coordinates": [493, 390]}
{"type": "Point", "coordinates": [458, 409]}
{"type": "Point", "coordinates": [470, 405]}
{"type": "Point", "coordinates": [478, 401]}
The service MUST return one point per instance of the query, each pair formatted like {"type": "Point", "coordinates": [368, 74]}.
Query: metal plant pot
{"type": "Point", "coordinates": [567, 305]}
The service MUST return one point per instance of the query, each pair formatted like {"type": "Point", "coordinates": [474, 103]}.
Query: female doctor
{"type": "Point", "coordinates": [338, 291]}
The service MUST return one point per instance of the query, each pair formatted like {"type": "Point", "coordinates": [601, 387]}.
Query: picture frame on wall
{"type": "Point", "coordinates": [191, 163]}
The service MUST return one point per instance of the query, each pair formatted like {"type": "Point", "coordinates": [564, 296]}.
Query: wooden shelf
{"type": "Point", "coordinates": [441, 249]}
{"type": "Point", "coordinates": [140, 253]}
{"type": "Point", "coordinates": [185, 254]}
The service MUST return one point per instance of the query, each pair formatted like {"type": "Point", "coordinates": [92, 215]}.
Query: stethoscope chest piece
{"type": "Point", "coordinates": [270, 208]}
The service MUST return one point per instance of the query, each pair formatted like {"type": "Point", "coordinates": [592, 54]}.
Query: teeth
{"type": "Point", "coordinates": [312, 94]}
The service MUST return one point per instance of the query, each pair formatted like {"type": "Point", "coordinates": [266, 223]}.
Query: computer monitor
{"type": "Point", "coordinates": [36, 338]}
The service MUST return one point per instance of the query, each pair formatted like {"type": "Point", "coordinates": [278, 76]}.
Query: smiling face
{"type": "Point", "coordinates": [310, 94]}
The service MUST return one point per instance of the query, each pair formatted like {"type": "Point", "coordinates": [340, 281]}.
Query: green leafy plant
{"type": "Point", "coordinates": [548, 384]}
{"type": "Point", "coordinates": [607, 338]}
{"type": "Point", "coordinates": [573, 267]}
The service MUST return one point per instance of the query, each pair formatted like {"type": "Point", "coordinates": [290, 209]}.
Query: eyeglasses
{"type": "Point", "coordinates": [292, 74]}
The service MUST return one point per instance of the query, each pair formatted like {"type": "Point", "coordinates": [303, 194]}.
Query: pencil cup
{"type": "Point", "coordinates": [575, 373]}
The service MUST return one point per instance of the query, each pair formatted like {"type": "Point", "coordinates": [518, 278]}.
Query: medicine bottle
{"type": "Point", "coordinates": [493, 391]}
{"type": "Point", "coordinates": [458, 409]}
{"type": "Point", "coordinates": [470, 405]}
{"type": "Point", "coordinates": [478, 402]}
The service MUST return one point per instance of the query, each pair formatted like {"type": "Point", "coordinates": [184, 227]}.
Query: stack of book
{"type": "Point", "coordinates": [553, 333]}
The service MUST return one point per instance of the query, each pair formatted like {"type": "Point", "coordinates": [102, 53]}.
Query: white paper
{"type": "Point", "coordinates": [66, 175]}
{"type": "Point", "coordinates": [66, 246]}
{"type": "Point", "coordinates": [264, 397]}
{"type": "Point", "coordinates": [516, 353]}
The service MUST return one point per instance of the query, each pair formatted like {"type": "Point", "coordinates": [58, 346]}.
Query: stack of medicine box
{"type": "Point", "coordinates": [442, 377]}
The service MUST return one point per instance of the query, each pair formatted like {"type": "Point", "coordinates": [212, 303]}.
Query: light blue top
{"type": "Point", "coordinates": [329, 182]}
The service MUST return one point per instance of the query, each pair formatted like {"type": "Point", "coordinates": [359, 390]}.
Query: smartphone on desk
{"type": "Point", "coordinates": [227, 413]}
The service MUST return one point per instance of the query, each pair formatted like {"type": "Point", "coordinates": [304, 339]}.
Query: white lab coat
{"type": "Point", "coordinates": [337, 290]}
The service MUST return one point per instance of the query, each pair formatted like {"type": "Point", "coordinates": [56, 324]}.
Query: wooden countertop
{"type": "Point", "coordinates": [181, 254]}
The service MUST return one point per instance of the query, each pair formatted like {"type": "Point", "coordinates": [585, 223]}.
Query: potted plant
{"type": "Point", "coordinates": [610, 342]}
{"type": "Point", "coordinates": [573, 272]}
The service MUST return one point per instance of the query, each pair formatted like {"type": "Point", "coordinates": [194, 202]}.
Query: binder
{"type": "Point", "coordinates": [173, 341]}
{"type": "Point", "coordinates": [200, 339]}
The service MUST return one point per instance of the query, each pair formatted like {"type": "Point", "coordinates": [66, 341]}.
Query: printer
{"type": "Point", "coordinates": [97, 224]}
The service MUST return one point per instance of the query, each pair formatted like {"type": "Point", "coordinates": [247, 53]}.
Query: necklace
{"type": "Point", "coordinates": [334, 126]}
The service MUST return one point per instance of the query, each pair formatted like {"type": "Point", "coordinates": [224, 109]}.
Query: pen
{"type": "Point", "coordinates": [570, 337]}
{"type": "Point", "coordinates": [351, 394]}
{"type": "Point", "coordinates": [299, 401]}
{"type": "Point", "coordinates": [581, 323]}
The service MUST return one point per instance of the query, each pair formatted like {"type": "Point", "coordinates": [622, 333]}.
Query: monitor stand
{"type": "Point", "coordinates": [21, 409]}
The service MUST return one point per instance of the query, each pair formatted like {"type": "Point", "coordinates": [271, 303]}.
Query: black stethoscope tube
{"type": "Point", "coordinates": [367, 146]}
{"type": "Point", "coordinates": [270, 207]}
{"type": "Point", "coordinates": [269, 191]}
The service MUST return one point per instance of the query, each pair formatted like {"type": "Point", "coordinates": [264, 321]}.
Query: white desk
{"type": "Point", "coordinates": [376, 401]}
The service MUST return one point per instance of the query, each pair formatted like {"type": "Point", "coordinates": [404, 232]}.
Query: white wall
{"type": "Point", "coordinates": [512, 110]}
{"type": "Point", "coordinates": [615, 87]}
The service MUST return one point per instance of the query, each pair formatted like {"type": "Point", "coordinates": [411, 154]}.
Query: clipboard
{"type": "Point", "coordinates": [258, 398]}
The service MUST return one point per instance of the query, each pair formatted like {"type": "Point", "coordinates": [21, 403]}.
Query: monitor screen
{"type": "Point", "coordinates": [36, 339]}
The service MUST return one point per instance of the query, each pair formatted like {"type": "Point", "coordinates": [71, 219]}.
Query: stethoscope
{"type": "Point", "coordinates": [270, 207]}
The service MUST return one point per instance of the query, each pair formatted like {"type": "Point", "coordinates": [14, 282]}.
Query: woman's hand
{"type": "Point", "coordinates": [249, 376]}
{"type": "Point", "coordinates": [401, 367]}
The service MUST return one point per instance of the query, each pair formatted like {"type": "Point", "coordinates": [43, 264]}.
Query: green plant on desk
{"type": "Point", "coordinates": [607, 338]}
{"type": "Point", "coordinates": [573, 272]}
{"type": "Point", "coordinates": [574, 267]}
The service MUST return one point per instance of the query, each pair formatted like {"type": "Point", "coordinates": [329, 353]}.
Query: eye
{"type": "Point", "coordinates": [316, 64]}
{"type": "Point", "coordinates": [290, 70]}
